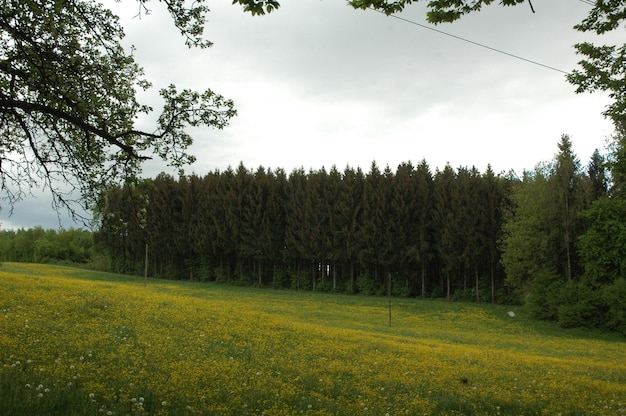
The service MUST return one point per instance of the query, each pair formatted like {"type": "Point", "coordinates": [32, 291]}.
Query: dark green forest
{"type": "Point", "coordinates": [551, 239]}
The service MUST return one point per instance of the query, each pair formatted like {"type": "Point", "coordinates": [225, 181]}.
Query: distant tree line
{"type": "Point", "coordinates": [564, 239]}
{"type": "Point", "coordinates": [36, 245]}
{"type": "Point", "coordinates": [552, 239]}
{"type": "Point", "coordinates": [428, 234]}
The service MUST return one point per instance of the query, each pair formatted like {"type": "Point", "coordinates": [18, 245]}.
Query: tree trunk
{"type": "Point", "coordinates": [464, 280]}
{"type": "Point", "coordinates": [297, 275]}
{"type": "Point", "coordinates": [567, 238]}
{"type": "Point", "coordinates": [352, 277]}
{"type": "Point", "coordinates": [274, 274]}
{"type": "Point", "coordinates": [477, 286]}
{"type": "Point", "coordinates": [493, 284]}
{"type": "Point", "coordinates": [423, 280]}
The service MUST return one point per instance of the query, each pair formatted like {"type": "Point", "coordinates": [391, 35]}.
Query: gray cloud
{"type": "Point", "coordinates": [317, 83]}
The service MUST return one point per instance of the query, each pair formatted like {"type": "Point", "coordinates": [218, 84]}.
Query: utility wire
{"type": "Point", "coordinates": [472, 42]}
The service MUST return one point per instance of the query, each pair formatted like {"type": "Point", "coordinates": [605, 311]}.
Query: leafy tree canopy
{"type": "Point", "coordinates": [68, 99]}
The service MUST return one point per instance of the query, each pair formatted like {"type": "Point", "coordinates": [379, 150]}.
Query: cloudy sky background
{"type": "Point", "coordinates": [318, 84]}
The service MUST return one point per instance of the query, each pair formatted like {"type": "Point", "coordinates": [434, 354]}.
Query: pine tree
{"type": "Point", "coordinates": [565, 185]}
{"type": "Point", "coordinates": [424, 205]}
{"type": "Point", "coordinates": [445, 224]}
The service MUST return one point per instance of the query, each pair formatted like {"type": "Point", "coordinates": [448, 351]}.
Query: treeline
{"type": "Point", "coordinates": [553, 239]}
{"type": "Point", "coordinates": [564, 239]}
{"type": "Point", "coordinates": [539, 239]}
{"type": "Point", "coordinates": [422, 233]}
{"type": "Point", "coordinates": [36, 245]}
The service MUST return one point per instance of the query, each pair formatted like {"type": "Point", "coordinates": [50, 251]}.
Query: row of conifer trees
{"type": "Point", "coordinates": [418, 232]}
{"type": "Point", "coordinates": [425, 233]}
{"type": "Point", "coordinates": [552, 239]}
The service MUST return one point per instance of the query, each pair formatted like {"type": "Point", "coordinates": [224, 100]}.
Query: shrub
{"type": "Point", "coordinates": [581, 306]}
{"type": "Point", "coordinates": [508, 295]}
{"type": "Point", "coordinates": [282, 279]}
{"type": "Point", "coordinates": [305, 282]}
{"type": "Point", "coordinates": [613, 297]}
{"type": "Point", "coordinates": [401, 290]}
{"type": "Point", "coordinates": [365, 285]}
{"type": "Point", "coordinates": [542, 301]}
{"type": "Point", "coordinates": [464, 295]}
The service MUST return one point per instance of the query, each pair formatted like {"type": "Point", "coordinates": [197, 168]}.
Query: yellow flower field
{"type": "Point", "coordinates": [73, 342]}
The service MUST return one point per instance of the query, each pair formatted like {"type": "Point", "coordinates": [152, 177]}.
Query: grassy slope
{"type": "Point", "coordinates": [101, 343]}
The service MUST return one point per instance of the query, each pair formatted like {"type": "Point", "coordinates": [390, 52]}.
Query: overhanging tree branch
{"type": "Point", "coordinates": [68, 98]}
{"type": "Point", "coordinates": [77, 121]}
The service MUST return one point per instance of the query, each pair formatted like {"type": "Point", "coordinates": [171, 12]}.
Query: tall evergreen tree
{"type": "Point", "coordinates": [228, 224]}
{"type": "Point", "coordinates": [334, 195]}
{"type": "Point", "coordinates": [349, 220]}
{"type": "Point", "coordinates": [275, 221]}
{"type": "Point", "coordinates": [473, 227]}
{"type": "Point", "coordinates": [445, 190]}
{"type": "Point", "coordinates": [240, 218]}
{"type": "Point", "coordinates": [373, 232]}
{"type": "Point", "coordinates": [496, 200]}
{"type": "Point", "coordinates": [565, 186]}
{"type": "Point", "coordinates": [598, 176]}
{"type": "Point", "coordinates": [253, 222]}
{"type": "Point", "coordinates": [424, 244]}
{"type": "Point", "coordinates": [297, 248]}
{"type": "Point", "coordinates": [403, 227]}
{"type": "Point", "coordinates": [205, 230]}
{"type": "Point", "coordinates": [164, 225]}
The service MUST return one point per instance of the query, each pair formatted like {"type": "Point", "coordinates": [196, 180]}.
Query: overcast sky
{"type": "Point", "coordinates": [317, 84]}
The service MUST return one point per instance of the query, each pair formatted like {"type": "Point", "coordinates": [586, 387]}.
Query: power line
{"type": "Point", "coordinates": [472, 42]}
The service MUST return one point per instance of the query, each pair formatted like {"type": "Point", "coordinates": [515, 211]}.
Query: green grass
{"type": "Point", "coordinates": [87, 343]}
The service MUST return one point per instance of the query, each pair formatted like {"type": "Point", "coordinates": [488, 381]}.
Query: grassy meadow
{"type": "Point", "coordinates": [74, 342]}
